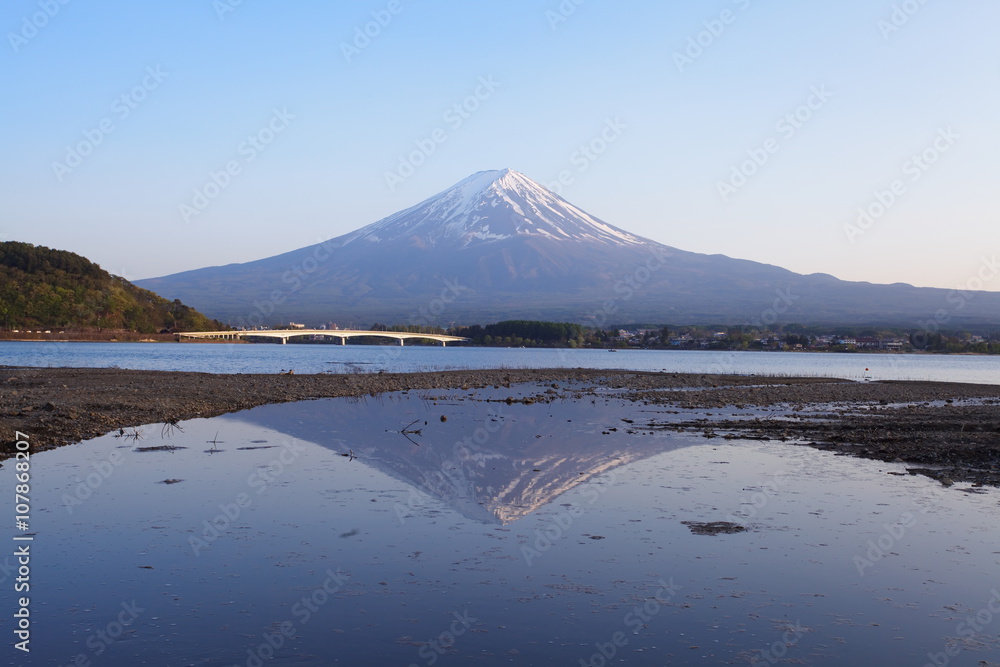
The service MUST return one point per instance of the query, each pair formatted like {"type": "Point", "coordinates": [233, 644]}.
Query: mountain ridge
{"type": "Point", "coordinates": [519, 251]}
{"type": "Point", "coordinates": [473, 196]}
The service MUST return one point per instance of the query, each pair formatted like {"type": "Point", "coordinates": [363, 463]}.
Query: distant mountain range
{"type": "Point", "coordinates": [498, 246]}
{"type": "Point", "coordinates": [42, 287]}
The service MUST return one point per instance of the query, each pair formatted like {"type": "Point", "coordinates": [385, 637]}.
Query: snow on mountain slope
{"type": "Point", "coordinates": [518, 251]}
{"type": "Point", "coordinates": [491, 206]}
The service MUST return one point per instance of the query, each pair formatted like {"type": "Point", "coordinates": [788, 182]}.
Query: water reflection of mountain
{"type": "Point", "coordinates": [491, 461]}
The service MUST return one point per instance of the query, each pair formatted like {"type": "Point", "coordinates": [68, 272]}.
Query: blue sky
{"type": "Point", "coordinates": [224, 131]}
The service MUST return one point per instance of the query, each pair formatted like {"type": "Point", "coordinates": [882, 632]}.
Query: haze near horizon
{"type": "Point", "coordinates": [854, 139]}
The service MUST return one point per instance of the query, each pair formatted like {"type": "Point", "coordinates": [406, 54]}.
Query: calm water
{"type": "Point", "coordinates": [225, 358]}
{"type": "Point", "coordinates": [502, 535]}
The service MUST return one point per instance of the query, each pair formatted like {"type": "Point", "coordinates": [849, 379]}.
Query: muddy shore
{"type": "Point", "coordinates": [949, 431]}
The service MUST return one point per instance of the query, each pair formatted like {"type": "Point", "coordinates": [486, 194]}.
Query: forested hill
{"type": "Point", "coordinates": [41, 287]}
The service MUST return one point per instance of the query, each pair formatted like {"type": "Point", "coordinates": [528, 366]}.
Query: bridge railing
{"type": "Point", "coordinates": [342, 334]}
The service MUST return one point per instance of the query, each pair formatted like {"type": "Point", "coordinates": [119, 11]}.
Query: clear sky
{"type": "Point", "coordinates": [155, 137]}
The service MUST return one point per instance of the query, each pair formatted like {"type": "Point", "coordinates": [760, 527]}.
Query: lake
{"type": "Point", "coordinates": [453, 528]}
{"type": "Point", "coordinates": [263, 358]}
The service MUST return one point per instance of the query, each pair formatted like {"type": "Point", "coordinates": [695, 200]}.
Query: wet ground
{"type": "Point", "coordinates": [948, 430]}
{"type": "Point", "coordinates": [529, 525]}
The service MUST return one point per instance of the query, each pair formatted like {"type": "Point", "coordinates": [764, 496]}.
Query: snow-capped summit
{"type": "Point", "coordinates": [499, 246]}
{"type": "Point", "coordinates": [491, 206]}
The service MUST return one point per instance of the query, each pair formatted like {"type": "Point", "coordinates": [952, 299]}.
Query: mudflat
{"type": "Point", "coordinates": [948, 431]}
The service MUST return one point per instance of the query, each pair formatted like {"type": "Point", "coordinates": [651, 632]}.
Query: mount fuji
{"type": "Point", "coordinates": [498, 245]}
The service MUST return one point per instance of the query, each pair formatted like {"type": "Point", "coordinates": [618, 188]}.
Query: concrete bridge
{"type": "Point", "coordinates": [342, 334]}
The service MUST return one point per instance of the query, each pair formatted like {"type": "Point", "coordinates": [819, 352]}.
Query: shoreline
{"type": "Point", "coordinates": [160, 339]}
{"type": "Point", "coordinates": [948, 431]}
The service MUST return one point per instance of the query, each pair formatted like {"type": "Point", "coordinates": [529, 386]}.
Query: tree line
{"type": "Point", "coordinates": [531, 333]}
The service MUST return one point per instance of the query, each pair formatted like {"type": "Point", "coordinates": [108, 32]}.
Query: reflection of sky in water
{"type": "Point", "coordinates": [269, 358]}
{"type": "Point", "coordinates": [415, 555]}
